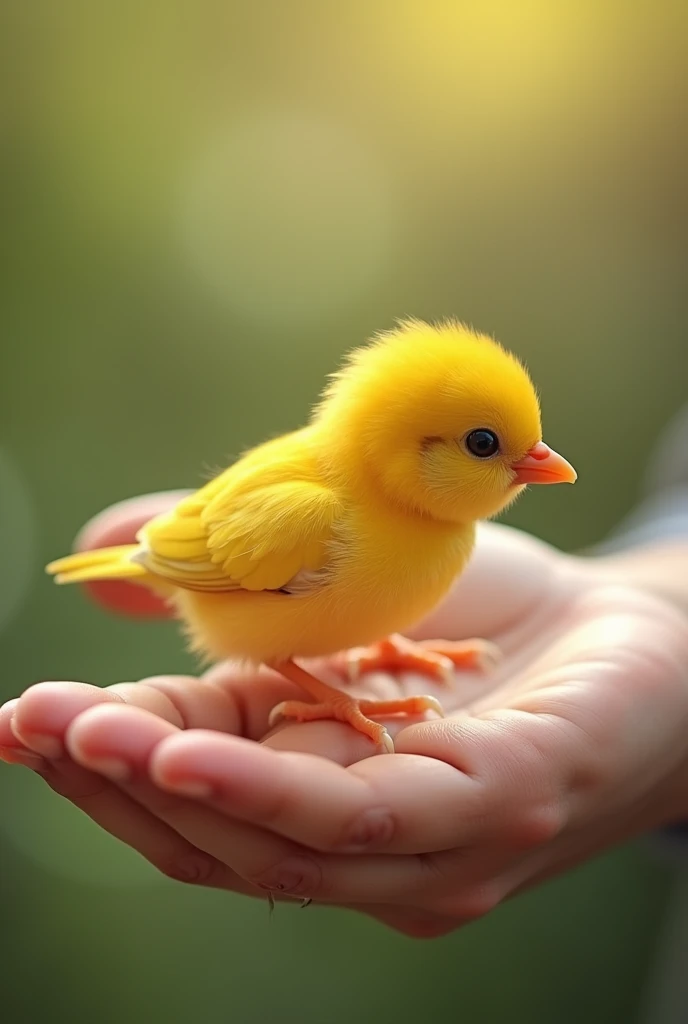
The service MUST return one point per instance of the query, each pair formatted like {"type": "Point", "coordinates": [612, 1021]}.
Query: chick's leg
{"type": "Point", "coordinates": [333, 704]}
{"type": "Point", "coordinates": [434, 658]}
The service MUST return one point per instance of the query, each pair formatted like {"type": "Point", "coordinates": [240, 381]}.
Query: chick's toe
{"type": "Point", "coordinates": [436, 659]}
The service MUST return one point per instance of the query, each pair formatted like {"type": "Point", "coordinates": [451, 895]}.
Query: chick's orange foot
{"type": "Point", "coordinates": [434, 658]}
{"type": "Point", "coordinates": [355, 712]}
{"type": "Point", "coordinates": [338, 706]}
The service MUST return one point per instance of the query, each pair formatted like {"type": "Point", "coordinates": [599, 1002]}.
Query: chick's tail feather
{"type": "Point", "coordinates": [115, 563]}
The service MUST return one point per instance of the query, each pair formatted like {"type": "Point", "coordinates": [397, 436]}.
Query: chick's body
{"type": "Point", "coordinates": [355, 526]}
{"type": "Point", "coordinates": [376, 573]}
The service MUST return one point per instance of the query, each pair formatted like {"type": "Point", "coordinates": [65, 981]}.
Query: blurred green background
{"type": "Point", "coordinates": [204, 205]}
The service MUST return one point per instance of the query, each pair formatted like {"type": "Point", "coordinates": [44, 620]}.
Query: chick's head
{"type": "Point", "coordinates": [442, 421]}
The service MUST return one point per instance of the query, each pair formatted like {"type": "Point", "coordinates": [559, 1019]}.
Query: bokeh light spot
{"type": "Point", "coordinates": [286, 216]}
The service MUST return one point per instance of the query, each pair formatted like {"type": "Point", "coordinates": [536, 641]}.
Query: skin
{"type": "Point", "coordinates": [576, 744]}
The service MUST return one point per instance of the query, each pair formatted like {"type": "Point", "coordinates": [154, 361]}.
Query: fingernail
{"type": "Point", "coordinates": [196, 788]}
{"type": "Point", "coordinates": [25, 758]}
{"type": "Point", "coordinates": [111, 767]}
{"type": "Point", "coordinates": [42, 743]}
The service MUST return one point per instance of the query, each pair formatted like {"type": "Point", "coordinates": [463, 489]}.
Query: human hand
{"type": "Point", "coordinates": [575, 744]}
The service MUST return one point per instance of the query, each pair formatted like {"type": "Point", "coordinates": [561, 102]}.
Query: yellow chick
{"type": "Point", "coordinates": [347, 531]}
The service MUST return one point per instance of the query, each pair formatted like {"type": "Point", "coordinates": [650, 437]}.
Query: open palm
{"type": "Point", "coordinates": [575, 742]}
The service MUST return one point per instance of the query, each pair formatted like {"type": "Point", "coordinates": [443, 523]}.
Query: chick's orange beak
{"type": "Point", "coordinates": [542, 465]}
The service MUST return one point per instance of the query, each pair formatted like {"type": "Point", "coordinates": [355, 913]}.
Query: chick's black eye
{"type": "Point", "coordinates": [482, 443]}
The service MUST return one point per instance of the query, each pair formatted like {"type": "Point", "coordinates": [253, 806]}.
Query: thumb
{"type": "Point", "coordinates": [119, 524]}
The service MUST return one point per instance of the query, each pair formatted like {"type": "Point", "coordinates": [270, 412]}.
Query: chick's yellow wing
{"type": "Point", "coordinates": [247, 535]}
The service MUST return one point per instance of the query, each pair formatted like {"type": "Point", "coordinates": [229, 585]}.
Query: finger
{"type": "Point", "coordinates": [229, 700]}
{"type": "Point", "coordinates": [119, 524]}
{"type": "Point", "coordinates": [264, 860]}
{"type": "Point", "coordinates": [123, 743]}
{"type": "Point", "coordinates": [41, 716]}
{"type": "Point", "coordinates": [285, 866]}
{"type": "Point", "coordinates": [107, 806]}
{"type": "Point", "coordinates": [43, 713]}
{"type": "Point", "coordinates": [118, 742]}
{"type": "Point", "coordinates": [46, 713]}
{"type": "Point", "coordinates": [399, 804]}
{"type": "Point", "coordinates": [415, 802]}
{"type": "Point", "coordinates": [12, 750]}
{"type": "Point", "coordinates": [185, 701]}
{"type": "Point", "coordinates": [225, 700]}
{"type": "Point", "coordinates": [521, 785]}
{"type": "Point", "coordinates": [7, 710]}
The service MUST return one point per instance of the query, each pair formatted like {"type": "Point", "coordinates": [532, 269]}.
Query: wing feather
{"type": "Point", "coordinates": [247, 534]}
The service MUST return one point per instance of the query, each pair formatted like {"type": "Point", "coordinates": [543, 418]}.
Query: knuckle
{"type": "Point", "coordinates": [179, 693]}
{"type": "Point", "coordinates": [194, 868]}
{"type": "Point", "coordinates": [149, 695]}
{"type": "Point", "coordinates": [193, 703]}
{"type": "Point", "coordinates": [438, 871]}
{"type": "Point", "coordinates": [524, 796]}
{"type": "Point", "coordinates": [536, 825]}
{"type": "Point", "coordinates": [296, 876]}
{"type": "Point", "coordinates": [373, 828]}
{"type": "Point", "coordinates": [471, 903]}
